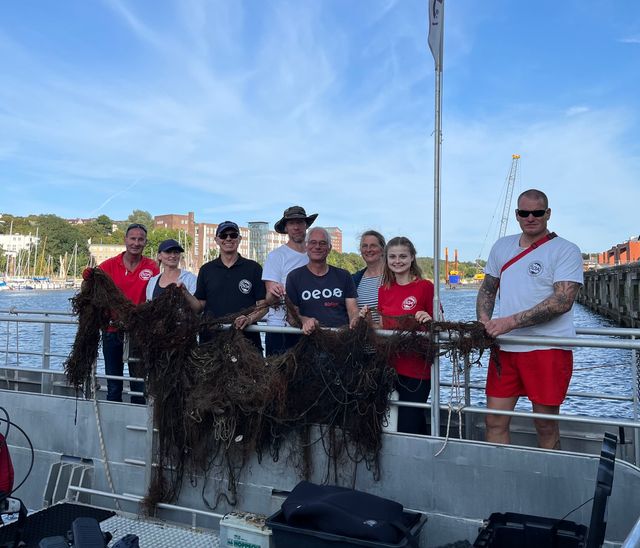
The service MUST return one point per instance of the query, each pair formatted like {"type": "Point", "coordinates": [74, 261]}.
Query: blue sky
{"type": "Point", "coordinates": [236, 110]}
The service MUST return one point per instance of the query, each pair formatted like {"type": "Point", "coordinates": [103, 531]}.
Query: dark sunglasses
{"type": "Point", "coordinates": [229, 236]}
{"type": "Point", "coordinates": [136, 225]}
{"type": "Point", "coordinates": [524, 213]}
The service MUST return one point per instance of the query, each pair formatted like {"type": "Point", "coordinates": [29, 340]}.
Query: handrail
{"type": "Point", "coordinates": [592, 342]}
{"type": "Point", "coordinates": [603, 331]}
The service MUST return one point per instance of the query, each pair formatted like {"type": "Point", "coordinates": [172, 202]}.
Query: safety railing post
{"type": "Point", "coordinates": [47, 380]}
{"type": "Point", "coordinates": [635, 364]}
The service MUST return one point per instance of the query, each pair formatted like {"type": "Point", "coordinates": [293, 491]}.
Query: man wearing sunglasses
{"type": "Point", "coordinates": [229, 284]}
{"type": "Point", "coordinates": [131, 272]}
{"type": "Point", "coordinates": [537, 276]}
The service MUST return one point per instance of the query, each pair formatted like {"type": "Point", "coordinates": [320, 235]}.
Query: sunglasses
{"type": "Point", "coordinates": [136, 225]}
{"type": "Point", "coordinates": [229, 236]}
{"type": "Point", "coordinates": [524, 213]}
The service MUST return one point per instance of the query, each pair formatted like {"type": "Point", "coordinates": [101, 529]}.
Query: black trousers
{"type": "Point", "coordinates": [410, 419]}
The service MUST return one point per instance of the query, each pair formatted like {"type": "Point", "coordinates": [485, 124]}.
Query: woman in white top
{"type": "Point", "coordinates": [169, 255]}
{"type": "Point", "coordinates": [369, 278]}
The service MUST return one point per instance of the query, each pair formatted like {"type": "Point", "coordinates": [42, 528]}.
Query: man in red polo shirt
{"type": "Point", "coordinates": [130, 271]}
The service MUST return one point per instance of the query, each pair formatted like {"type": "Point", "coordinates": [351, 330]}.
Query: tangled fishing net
{"type": "Point", "coordinates": [219, 403]}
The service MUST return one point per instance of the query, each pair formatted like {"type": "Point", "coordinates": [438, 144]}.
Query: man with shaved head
{"type": "Point", "coordinates": [538, 275]}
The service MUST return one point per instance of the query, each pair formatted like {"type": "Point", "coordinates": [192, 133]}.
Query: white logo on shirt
{"type": "Point", "coordinates": [245, 286]}
{"type": "Point", "coordinates": [409, 303]}
{"type": "Point", "coordinates": [145, 274]}
{"type": "Point", "coordinates": [319, 294]}
{"type": "Point", "coordinates": [535, 268]}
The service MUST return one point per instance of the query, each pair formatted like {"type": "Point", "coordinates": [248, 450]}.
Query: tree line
{"type": "Point", "coordinates": [62, 245]}
{"type": "Point", "coordinates": [60, 241]}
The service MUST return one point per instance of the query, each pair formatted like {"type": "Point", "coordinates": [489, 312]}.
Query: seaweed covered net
{"type": "Point", "coordinates": [217, 404]}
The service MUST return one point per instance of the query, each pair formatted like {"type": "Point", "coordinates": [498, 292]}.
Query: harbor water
{"type": "Point", "coordinates": [600, 370]}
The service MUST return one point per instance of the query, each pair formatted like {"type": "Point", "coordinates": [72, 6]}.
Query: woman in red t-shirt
{"type": "Point", "coordinates": [405, 292]}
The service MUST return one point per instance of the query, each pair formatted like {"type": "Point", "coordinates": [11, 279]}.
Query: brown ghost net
{"type": "Point", "coordinates": [217, 404]}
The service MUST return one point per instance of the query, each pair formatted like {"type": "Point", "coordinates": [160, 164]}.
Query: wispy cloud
{"type": "Point", "coordinates": [630, 40]}
{"type": "Point", "coordinates": [574, 111]}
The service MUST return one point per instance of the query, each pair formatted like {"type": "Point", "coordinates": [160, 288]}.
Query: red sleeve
{"type": "Point", "coordinates": [428, 295]}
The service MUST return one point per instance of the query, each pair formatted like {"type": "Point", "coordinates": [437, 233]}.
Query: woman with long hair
{"type": "Point", "coordinates": [404, 292]}
{"type": "Point", "coordinates": [369, 278]}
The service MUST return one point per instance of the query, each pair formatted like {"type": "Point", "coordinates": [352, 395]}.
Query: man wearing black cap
{"type": "Point", "coordinates": [229, 284]}
{"type": "Point", "coordinates": [131, 272]}
{"type": "Point", "coordinates": [279, 263]}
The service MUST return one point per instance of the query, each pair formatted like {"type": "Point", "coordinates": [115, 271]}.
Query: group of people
{"type": "Point", "coordinates": [535, 295]}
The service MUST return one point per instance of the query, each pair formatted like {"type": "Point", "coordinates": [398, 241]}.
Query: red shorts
{"type": "Point", "coordinates": [541, 375]}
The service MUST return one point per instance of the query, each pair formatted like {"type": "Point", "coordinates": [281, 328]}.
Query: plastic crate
{"type": "Point", "coordinates": [245, 530]}
{"type": "Point", "coordinates": [509, 530]}
{"type": "Point", "coordinates": [287, 536]}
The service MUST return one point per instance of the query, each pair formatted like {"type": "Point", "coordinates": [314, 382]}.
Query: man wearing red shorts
{"type": "Point", "coordinates": [538, 275]}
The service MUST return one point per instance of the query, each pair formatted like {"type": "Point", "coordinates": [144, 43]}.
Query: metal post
{"type": "Point", "coordinates": [47, 380]}
{"type": "Point", "coordinates": [468, 430]}
{"type": "Point", "coordinates": [435, 368]}
{"type": "Point", "coordinates": [635, 364]}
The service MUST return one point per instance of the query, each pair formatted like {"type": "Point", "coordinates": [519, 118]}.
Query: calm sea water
{"type": "Point", "coordinates": [600, 370]}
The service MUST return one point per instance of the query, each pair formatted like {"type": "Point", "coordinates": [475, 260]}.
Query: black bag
{"type": "Point", "coordinates": [348, 512]}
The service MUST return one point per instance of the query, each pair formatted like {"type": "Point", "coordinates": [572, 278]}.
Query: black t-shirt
{"type": "Point", "coordinates": [227, 290]}
{"type": "Point", "coordinates": [322, 297]}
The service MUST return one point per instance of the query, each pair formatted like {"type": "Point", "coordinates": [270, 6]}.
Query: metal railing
{"type": "Point", "coordinates": [595, 340]}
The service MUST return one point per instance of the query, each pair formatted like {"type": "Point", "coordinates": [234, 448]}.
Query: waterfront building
{"type": "Point", "coordinates": [263, 240]}
{"type": "Point", "coordinates": [203, 238]}
{"type": "Point", "coordinates": [336, 238]}
{"type": "Point", "coordinates": [13, 244]}
{"type": "Point", "coordinates": [258, 239]}
{"type": "Point", "coordinates": [101, 252]}
{"type": "Point", "coordinates": [624, 253]}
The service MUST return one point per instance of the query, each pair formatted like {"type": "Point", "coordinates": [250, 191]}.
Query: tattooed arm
{"type": "Point", "coordinates": [487, 298]}
{"type": "Point", "coordinates": [564, 293]}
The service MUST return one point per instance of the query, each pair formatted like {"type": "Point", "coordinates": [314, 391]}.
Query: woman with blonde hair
{"type": "Point", "coordinates": [169, 255]}
{"type": "Point", "coordinates": [404, 292]}
{"type": "Point", "coordinates": [369, 278]}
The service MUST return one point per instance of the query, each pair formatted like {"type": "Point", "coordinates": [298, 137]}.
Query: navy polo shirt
{"type": "Point", "coordinates": [228, 290]}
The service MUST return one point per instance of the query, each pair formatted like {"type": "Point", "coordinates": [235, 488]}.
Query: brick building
{"type": "Point", "coordinates": [336, 238]}
{"type": "Point", "coordinates": [627, 252]}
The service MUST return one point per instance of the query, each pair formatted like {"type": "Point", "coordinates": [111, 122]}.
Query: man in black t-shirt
{"type": "Point", "coordinates": [230, 284]}
{"type": "Point", "coordinates": [323, 294]}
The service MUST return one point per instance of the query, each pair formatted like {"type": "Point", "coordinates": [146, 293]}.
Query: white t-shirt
{"type": "Point", "coordinates": [279, 263]}
{"type": "Point", "coordinates": [530, 280]}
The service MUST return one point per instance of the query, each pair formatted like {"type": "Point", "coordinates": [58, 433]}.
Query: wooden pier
{"type": "Point", "coordinates": [614, 292]}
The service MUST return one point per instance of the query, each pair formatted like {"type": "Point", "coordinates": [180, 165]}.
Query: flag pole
{"type": "Point", "coordinates": [436, 33]}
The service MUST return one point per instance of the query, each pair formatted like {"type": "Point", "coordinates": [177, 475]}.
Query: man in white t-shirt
{"type": "Point", "coordinates": [538, 275]}
{"type": "Point", "coordinates": [279, 263]}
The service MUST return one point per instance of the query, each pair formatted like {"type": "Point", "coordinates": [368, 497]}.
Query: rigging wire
{"type": "Point", "coordinates": [499, 202]}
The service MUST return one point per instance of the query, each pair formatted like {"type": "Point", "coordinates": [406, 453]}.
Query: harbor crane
{"type": "Point", "coordinates": [511, 180]}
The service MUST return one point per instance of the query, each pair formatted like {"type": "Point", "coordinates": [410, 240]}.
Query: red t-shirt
{"type": "Point", "coordinates": [132, 284]}
{"type": "Point", "coordinates": [401, 300]}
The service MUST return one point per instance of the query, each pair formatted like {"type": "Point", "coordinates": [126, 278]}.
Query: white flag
{"type": "Point", "coordinates": [436, 21]}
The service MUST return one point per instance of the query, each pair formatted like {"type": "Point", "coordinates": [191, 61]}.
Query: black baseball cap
{"type": "Point", "coordinates": [166, 245]}
{"type": "Point", "coordinates": [227, 225]}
